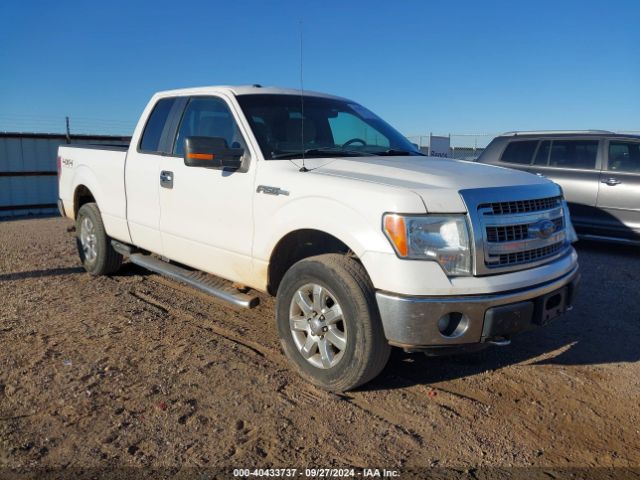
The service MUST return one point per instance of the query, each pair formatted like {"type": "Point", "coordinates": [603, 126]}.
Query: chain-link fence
{"type": "Point", "coordinates": [461, 146]}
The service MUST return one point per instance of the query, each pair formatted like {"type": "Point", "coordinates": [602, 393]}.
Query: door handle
{"type": "Point", "coordinates": [612, 182]}
{"type": "Point", "coordinates": [166, 179]}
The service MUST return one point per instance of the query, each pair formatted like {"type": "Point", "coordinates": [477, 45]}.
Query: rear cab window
{"type": "Point", "coordinates": [153, 130]}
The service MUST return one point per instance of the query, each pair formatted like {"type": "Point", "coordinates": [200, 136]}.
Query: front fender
{"type": "Point", "coordinates": [352, 227]}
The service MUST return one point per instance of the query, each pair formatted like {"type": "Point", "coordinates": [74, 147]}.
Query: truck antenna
{"type": "Point", "coordinates": [303, 168]}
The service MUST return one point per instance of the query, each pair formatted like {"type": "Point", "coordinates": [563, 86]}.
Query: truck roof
{"type": "Point", "coordinates": [241, 90]}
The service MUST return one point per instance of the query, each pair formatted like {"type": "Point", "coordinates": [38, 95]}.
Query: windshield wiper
{"type": "Point", "coordinates": [399, 153]}
{"type": "Point", "coordinates": [332, 152]}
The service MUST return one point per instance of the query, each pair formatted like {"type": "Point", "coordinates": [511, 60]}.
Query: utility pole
{"type": "Point", "coordinates": [68, 131]}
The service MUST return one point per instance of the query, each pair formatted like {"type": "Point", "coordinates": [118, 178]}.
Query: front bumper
{"type": "Point", "coordinates": [412, 322]}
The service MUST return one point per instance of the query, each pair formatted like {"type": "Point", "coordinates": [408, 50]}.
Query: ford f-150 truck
{"type": "Point", "coordinates": [365, 242]}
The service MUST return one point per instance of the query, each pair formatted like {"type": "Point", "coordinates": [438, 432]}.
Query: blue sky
{"type": "Point", "coordinates": [441, 66]}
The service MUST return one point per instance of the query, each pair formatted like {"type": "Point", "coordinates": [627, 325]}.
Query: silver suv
{"type": "Point", "coordinates": [599, 172]}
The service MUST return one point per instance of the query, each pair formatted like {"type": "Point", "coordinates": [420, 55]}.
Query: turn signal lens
{"type": "Point", "coordinates": [396, 230]}
{"type": "Point", "coordinates": [201, 156]}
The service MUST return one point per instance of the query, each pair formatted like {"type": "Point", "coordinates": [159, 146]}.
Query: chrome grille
{"type": "Point", "coordinates": [516, 227]}
{"type": "Point", "coordinates": [528, 256]}
{"type": "Point", "coordinates": [523, 206]}
{"type": "Point", "coordinates": [522, 231]}
{"type": "Point", "coordinates": [511, 233]}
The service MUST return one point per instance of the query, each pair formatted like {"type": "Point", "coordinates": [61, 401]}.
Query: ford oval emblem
{"type": "Point", "coordinates": [543, 228]}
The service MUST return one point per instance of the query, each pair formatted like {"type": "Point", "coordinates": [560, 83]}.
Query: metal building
{"type": "Point", "coordinates": [28, 171]}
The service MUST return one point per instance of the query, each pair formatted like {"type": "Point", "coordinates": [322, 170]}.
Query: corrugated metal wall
{"type": "Point", "coordinates": [28, 174]}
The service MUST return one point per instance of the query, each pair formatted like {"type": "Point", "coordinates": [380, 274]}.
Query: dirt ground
{"type": "Point", "coordinates": [137, 371]}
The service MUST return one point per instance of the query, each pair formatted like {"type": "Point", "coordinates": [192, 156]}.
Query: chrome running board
{"type": "Point", "coordinates": [216, 287]}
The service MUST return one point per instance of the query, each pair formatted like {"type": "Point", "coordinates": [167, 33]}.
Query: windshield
{"type": "Point", "coordinates": [330, 127]}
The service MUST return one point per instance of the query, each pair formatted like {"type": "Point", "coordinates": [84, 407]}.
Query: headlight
{"type": "Point", "coordinates": [444, 239]}
{"type": "Point", "coordinates": [572, 236]}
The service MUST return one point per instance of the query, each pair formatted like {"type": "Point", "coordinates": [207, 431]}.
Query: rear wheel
{"type": "Point", "coordinates": [94, 245]}
{"type": "Point", "coordinates": [329, 324]}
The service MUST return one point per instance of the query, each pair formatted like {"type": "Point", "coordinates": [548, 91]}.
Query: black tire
{"type": "Point", "coordinates": [106, 260]}
{"type": "Point", "coordinates": [367, 350]}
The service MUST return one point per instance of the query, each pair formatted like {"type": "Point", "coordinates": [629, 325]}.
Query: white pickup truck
{"type": "Point", "coordinates": [365, 242]}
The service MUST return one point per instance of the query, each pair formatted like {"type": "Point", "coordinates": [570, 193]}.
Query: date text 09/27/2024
{"type": "Point", "coordinates": [316, 472]}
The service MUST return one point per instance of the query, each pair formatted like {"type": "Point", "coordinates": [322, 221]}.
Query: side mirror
{"type": "Point", "coordinates": [211, 152]}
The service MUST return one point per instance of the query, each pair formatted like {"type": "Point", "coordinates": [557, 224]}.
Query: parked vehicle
{"type": "Point", "coordinates": [598, 171]}
{"type": "Point", "coordinates": [365, 242]}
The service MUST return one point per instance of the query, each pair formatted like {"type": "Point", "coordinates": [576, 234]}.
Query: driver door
{"type": "Point", "coordinates": [206, 214]}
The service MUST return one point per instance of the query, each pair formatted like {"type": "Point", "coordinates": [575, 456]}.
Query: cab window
{"type": "Point", "coordinates": [150, 142]}
{"type": "Point", "coordinates": [208, 117]}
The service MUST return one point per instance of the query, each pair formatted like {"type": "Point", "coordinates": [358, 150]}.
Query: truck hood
{"type": "Point", "coordinates": [437, 181]}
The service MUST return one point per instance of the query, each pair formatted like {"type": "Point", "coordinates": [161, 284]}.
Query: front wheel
{"type": "Point", "coordinates": [329, 324]}
{"type": "Point", "coordinates": [94, 245]}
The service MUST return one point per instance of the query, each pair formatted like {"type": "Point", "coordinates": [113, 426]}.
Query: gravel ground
{"type": "Point", "coordinates": [137, 371]}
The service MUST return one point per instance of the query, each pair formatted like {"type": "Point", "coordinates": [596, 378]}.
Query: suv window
{"type": "Point", "coordinates": [624, 156]}
{"type": "Point", "coordinates": [542, 155]}
{"type": "Point", "coordinates": [152, 134]}
{"type": "Point", "coordinates": [519, 152]}
{"type": "Point", "coordinates": [574, 154]}
{"type": "Point", "coordinates": [208, 117]}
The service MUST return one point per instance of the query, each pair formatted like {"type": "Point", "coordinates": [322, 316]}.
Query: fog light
{"type": "Point", "coordinates": [453, 324]}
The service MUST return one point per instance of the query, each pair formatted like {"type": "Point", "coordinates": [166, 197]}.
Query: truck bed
{"type": "Point", "coordinates": [100, 168]}
{"type": "Point", "coordinates": [117, 147]}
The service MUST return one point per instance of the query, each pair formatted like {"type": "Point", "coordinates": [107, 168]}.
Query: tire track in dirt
{"type": "Point", "coordinates": [296, 392]}
{"type": "Point", "coordinates": [238, 322]}
{"type": "Point", "coordinates": [151, 297]}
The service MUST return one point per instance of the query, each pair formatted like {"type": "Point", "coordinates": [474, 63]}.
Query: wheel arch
{"type": "Point", "coordinates": [81, 195]}
{"type": "Point", "coordinates": [298, 245]}
{"type": "Point", "coordinates": [86, 188]}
